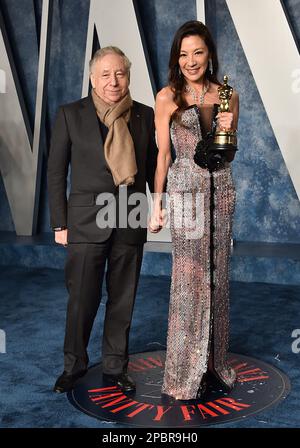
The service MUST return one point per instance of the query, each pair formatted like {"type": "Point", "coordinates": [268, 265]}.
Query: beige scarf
{"type": "Point", "coordinates": [118, 147]}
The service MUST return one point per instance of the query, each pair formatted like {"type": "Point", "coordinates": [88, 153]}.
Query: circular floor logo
{"type": "Point", "coordinates": [259, 386]}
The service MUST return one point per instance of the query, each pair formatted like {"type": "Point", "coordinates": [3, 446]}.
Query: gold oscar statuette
{"type": "Point", "coordinates": [225, 140]}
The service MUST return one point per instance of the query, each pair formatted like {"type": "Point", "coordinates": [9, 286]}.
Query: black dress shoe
{"type": "Point", "coordinates": [65, 382]}
{"type": "Point", "coordinates": [123, 380]}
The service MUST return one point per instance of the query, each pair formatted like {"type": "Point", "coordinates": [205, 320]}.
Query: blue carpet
{"type": "Point", "coordinates": [32, 314]}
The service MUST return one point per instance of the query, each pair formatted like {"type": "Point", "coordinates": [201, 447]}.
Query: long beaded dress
{"type": "Point", "coordinates": [198, 325]}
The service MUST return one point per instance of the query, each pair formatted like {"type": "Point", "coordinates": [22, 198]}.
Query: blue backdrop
{"type": "Point", "coordinates": [267, 205]}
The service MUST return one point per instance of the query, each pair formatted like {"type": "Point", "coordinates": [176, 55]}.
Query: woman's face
{"type": "Point", "coordinates": [193, 58]}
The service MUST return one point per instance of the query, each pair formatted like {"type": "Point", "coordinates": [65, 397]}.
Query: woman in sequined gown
{"type": "Point", "coordinates": [201, 206]}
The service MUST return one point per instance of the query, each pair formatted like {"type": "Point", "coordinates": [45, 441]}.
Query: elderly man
{"type": "Point", "coordinates": [109, 142]}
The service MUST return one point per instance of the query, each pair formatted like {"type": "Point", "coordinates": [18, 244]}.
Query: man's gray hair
{"type": "Point", "coordinates": [110, 50]}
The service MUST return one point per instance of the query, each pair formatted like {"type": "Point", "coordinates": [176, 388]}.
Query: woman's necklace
{"type": "Point", "coordinates": [197, 97]}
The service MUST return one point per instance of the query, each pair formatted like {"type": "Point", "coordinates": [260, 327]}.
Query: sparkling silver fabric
{"type": "Point", "coordinates": [199, 304]}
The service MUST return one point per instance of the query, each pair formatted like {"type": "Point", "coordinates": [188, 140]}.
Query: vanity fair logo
{"type": "Point", "coordinates": [113, 400]}
{"type": "Point", "coordinates": [258, 386]}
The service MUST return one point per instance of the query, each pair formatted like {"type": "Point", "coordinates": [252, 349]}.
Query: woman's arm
{"type": "Point", "coordinates": [234, 108]}
{"type": "Point", "coordinates": [164, 107]}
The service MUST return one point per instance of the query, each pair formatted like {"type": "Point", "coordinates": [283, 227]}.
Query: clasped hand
{"type": "Point", "coordinates": [157, 220]}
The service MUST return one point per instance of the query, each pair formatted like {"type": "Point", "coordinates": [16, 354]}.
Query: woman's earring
{"type": "Point", "coordinates": [210, 66]}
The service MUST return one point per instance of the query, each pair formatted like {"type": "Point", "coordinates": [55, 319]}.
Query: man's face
{"type": "Point", "coordinates": [109, 78]}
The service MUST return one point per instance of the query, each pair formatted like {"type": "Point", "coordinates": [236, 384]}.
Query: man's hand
{"type": "Point", "coordinates": [158, 220]}
{"type": "Point", "coordinates": [61, 237]}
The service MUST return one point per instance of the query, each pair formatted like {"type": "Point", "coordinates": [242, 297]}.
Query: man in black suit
{"type": "Point", "coordinates": [109, 142]}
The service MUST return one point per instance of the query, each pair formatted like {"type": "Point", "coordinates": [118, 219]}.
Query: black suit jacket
{"type": "Point", "coordinates": [76, 142]}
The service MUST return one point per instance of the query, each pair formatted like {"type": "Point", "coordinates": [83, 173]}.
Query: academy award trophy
{"type": "Point", "coordinates": [212, 150]}
{"type": "Point", "coordinates": [224, 140]}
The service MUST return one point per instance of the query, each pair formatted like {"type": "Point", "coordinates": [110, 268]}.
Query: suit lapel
{"type": "Point", "coordinates": [90, 121]}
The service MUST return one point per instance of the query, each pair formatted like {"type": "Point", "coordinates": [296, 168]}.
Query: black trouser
{"type": "Point", "coordinates": [84, 272]}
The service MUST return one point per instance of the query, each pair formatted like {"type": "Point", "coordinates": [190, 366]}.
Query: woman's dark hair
{"type": "Point", "coordinates": [176, 79]}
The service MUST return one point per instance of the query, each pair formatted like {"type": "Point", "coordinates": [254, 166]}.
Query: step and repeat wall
{"type": "Point", "coordinates": [45, 47]}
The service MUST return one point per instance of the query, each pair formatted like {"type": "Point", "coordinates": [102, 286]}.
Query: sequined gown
{"type": "Point", "coordinates": [199, 302]}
